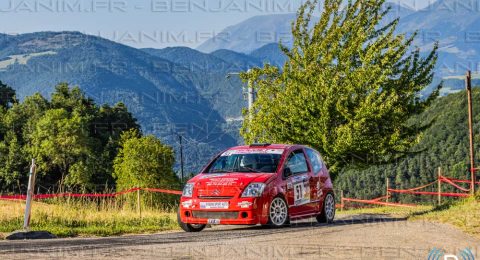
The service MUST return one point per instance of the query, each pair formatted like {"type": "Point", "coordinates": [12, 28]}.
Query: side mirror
{"type": "Point", "coordinates": [287, 172]}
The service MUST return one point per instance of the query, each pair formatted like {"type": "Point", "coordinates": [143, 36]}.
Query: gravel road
{"type": "Point", "coordinates": [351, 237]}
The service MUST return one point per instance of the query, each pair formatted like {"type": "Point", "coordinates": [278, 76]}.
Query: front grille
{"type": "Point", "coordinates": [215, 197]}
{"type": "Point", "coordinates": [215, 214]}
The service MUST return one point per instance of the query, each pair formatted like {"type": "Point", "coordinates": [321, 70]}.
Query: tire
{"type": "Point", "coordinates": [328, 210]}
{"type": "Point", "coordinates": [278, 213]}
{"type": "Point", "coordinates": [189, 227]}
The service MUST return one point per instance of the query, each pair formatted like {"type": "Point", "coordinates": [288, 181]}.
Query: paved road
{"type": "Point", "coordinates": [351, 237]}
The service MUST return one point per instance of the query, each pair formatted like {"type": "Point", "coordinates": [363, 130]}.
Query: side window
{"type": "Point", "coordinates": [315, 160]}
{"type": "Point", "coordinates": [297, 162]}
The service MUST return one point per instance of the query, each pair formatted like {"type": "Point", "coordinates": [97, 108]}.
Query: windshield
{"type": "Point", "coordinates": [260, 161]}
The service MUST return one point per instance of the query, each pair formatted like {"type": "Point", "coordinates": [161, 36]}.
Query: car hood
{"type": "Point", "coordinates": [225, 184]}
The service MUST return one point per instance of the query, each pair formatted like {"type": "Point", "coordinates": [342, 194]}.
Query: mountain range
{"type": "Point", "coordinates": [184, 91]}
{"type": "Point", "coordinates": [453, 23]}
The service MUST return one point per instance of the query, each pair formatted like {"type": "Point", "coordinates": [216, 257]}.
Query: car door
{"type": "Point", "coordinates": [317, 178]}
{"type": "Point", "coordinates": [297, 174]}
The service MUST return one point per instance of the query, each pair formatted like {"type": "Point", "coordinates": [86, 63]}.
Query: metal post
{"type": "Point", "coordinates": [30, 193]}
{"type": "Point", "coordinates": [468, 84]}
{"type": "Point", "coordinates": [387, 193]}
{"type": "Point", "coordinates": [251, 99]}
{"type": "Point", "coordinates": [181, 157]}
{"type": "Point", "coordinates": [439, 186]}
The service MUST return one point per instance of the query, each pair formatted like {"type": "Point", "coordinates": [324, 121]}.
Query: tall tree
{"type": "Point", "coordinates": [60, 143]}
{"type": "Point", "coordinates": [7, 95]}
{"type": "Point", "coordinates": [144, 162]}
{"type": "Point", "coordinates": [348, 87]}
{"type": "Point", "coordinates": [18, 124]}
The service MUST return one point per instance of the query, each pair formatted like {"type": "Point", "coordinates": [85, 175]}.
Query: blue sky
{"type": "Point", "coordinates": [142, 23]}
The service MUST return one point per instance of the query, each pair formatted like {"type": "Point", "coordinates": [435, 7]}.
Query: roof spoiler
{"type": "Point", "coordinates": [259, 144]}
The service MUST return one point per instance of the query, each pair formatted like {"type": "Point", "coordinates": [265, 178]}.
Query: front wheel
{"type": "Point", "coordinates": [278, 212]}
{"type": "Point", "coordinates": [328, 211]}
{"type": "Point", "coordinates": [189, 227]}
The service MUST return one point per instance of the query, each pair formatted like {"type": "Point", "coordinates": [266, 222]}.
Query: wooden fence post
{"type": "Point", "coordinates": [342, 205]}
{"type": "Point", "coordinates": [387, 192]}
{"type": "Point", "coordinates": [139, 208]}
{"type": "Point", "coordinates": [439, 186]}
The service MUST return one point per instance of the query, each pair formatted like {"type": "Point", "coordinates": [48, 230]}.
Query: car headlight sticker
{"type": "Point", "coordinates": [253, 190]}
{"type": "Point", "coordinates": [188, 190]}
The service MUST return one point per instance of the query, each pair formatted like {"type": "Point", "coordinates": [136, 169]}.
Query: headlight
{"type": "Point", "coordinates": [254, 190]}
{"type": "Point", "coordinates": [188, 190]}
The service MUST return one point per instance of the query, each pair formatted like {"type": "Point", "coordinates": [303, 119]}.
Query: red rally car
{"type": "Point", "coordinates": [267, 184]}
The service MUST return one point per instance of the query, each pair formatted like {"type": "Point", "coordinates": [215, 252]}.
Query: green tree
{"type": "Point", "coordinates": [72, 99]}
{"type": "Point", "coordinates": [18, 122]}
{"type": "Point", "coordinates": [144, 162]}
{"type": "Point", "coordinates": [7, 96]}
{"type": "Point", "coordinates": [60, 143]}
{"type": "Point", "coordinates": [348, 87]}
{"type": "Point", "coordinates": [108, 126]}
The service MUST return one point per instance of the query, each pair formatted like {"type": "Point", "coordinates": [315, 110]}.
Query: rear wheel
{"type": "Point", "coordinates": [189, 227]}
{"type": "Point", "coordinates": [278, 213]}
{"type": "Point", "coordinates": [328, 210]}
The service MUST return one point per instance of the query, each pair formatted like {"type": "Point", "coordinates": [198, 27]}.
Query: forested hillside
{"type": "Point", "coordinates": [444, 144]}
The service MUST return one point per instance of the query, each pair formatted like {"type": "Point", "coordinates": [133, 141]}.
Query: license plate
{"type": "Point", "coordinates": [214, 205]}
{"type": "Point", "coordinates": [213, 221]}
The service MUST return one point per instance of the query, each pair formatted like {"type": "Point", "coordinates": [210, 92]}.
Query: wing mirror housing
{"type": "Point", "coordinates": [287, 172]}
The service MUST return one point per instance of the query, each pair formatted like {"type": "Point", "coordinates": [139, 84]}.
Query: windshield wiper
{"type": "Point", "coordinates": [222, 171]}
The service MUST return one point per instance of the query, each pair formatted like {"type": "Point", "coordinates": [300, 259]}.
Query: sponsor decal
{"type": "Point", "coordinates": [249, 151]}
{"type": "Point", "coordinates": [222, 182]}
{"type": "Point", "coordinates": [319, 190]}
{"type": "Point", "coordinates": [245, 204]}
{"type": "Point", "coordinates": [301, 193]}
{"type": "Point", "coordinates": [214, 205]}
{"type": "Point", "coordinates": [187, 203]}
{"type": "Point", "coordinates": [213, 175]}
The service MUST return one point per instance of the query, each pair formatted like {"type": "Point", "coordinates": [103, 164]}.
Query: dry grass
{"type": "Point", "coordinates": [80, 218]}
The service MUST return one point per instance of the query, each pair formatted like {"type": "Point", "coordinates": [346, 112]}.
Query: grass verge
{"type": "Point", "coordinates": [83, 219]}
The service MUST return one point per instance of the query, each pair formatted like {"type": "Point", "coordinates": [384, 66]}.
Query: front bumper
{"type": "Point", "coordinates": [240, 211]}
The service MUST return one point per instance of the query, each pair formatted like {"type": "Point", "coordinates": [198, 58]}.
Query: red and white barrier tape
{"type": "Point", "coordinates": [443, 194]}
{"type": "Point", "coordinates": [446, 180]}
{"type": "Point", "coordinates": [91, 195]}
{"type": "Point", "coordinates": [460, 181]}
{"type": "Point", "coordinates": [376, 202]}
{"type": "Point", "coordinates": [422, 187]}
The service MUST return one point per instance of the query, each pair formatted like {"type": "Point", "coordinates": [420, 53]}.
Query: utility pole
{"type": "Point", "coordinates": [181, 156]}
{"type": "Point", "coordinates": [468, 84]}
{"type": "Point", "coordinates": [251, 99]}
{"type": "Point", "coordinates": [250, 92]}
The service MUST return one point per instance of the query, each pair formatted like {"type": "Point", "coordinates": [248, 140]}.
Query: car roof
{"type": "Point", "coordinates": [264, 146]}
